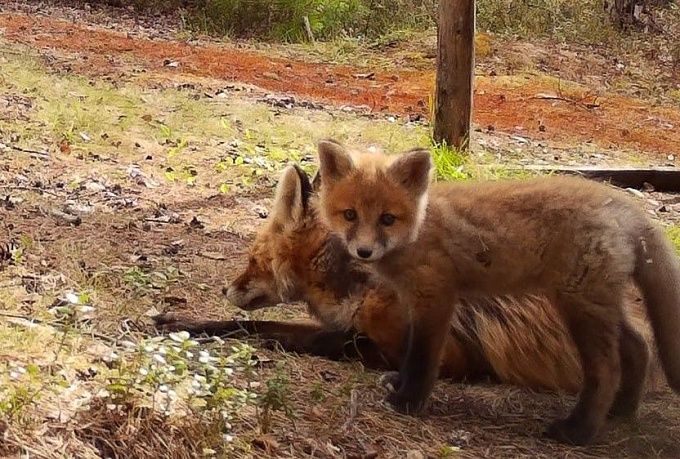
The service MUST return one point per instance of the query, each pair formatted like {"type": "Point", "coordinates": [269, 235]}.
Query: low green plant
{"type": "Point", "coordinates": [284, 19]}
{"type": "Point", "coordinates": [176, 373]}
{"type": "Point", "coordinates": [21, 386]}
{"type": "Point", "coordinates": [24, 384]}
{"type": "Point", "coordinates": [582, 21]}
{"type": "Point", "coordinates": [140, 280]}
{"type": "Point", "coordinates": [275, 398]}
{"type": "Point", "coordinates": [673, 232]}
{"type": "Point", "coordinates": [449, 452]}
{"type": "Point", "coordinates": [450, 163]}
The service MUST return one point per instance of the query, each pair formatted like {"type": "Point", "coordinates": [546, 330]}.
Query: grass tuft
{"type": "Point", "coordinates": [673, 232]}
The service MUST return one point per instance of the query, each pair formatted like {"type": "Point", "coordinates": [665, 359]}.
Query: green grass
{"type": "Point", "coordinates": [673, 232]}
{"type": "Point", "coordinates": [450, 163]}
{"type": "Point", "coordinates": [221, 144]}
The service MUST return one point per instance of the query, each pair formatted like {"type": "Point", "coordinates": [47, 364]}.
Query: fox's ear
{"type": "Point", "coordinates": [316, 182]}
{"type": "Point", "coordinates": [305, 185]}
{"type": "Point", "coordinates": [334, 161]}
{"type": "Point", "coordinates": [412, 170]}
{"type": "Point", "coordinates": [292, 195]}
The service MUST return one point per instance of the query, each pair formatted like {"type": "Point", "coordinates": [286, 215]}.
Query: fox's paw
{"type": "Point", "coordinates": [623, 410]}
{"type": "Point", "coordinates": [390, 381]}
{"type": "Point", "coordinates": [570, 431]}
{"type": "Point", "coordinates": [405, 404]}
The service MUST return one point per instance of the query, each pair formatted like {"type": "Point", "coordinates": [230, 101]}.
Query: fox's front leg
{"type": "Point", "coordinates": [424, 343]}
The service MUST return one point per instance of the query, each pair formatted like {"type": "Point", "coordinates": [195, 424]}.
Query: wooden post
{"type": "Point", "coordinates": [455, 67]}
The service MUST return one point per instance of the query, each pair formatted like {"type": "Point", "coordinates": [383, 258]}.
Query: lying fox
{"type": "Point", "coordinates": [516, 340]}
{"type": "Point", "coordinates": [573, 240]}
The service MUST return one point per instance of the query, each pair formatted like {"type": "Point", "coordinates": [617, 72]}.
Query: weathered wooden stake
{"type": "Point", "coordinates": [455, 66]}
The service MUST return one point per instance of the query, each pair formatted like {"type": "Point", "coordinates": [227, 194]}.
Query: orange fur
{"type": "Point", "coordinates": [575, 241]}
{"type": "Point", "coordinates": [517, 339]}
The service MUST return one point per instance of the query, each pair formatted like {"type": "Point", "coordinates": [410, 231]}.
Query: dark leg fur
{"type": "Point", "coordinates": [595, 330]}
{"type": "Point", "coordinates": [634, 360]}
{"type": "Point", "coordinates": [303, 338]}
{"type": "Point", "coordinates": [420, 367]}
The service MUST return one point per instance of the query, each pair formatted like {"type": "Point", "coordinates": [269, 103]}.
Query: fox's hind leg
{"type": "Point", "coordinates": [634, 354]}
{"type": "Point", "coordinates": [594, 327]}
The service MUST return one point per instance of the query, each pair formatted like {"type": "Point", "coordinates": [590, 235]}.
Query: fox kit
{"type": "Point", "coordinates": [513, 339]}
{"type": "Point", "coordinates": [573, 240]}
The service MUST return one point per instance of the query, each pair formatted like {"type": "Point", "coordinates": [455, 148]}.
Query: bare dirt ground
{"type": "Point", "coordinates": [136, 167]}
{"type": "Point", "coordinates": [538, 108]}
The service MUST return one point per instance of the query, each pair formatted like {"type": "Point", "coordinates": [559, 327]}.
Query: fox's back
{"type": "Point", "coordinates": [532, 231]}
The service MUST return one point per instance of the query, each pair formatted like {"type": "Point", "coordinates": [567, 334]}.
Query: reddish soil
{"type": "Point", "coordinates": [616, 122]}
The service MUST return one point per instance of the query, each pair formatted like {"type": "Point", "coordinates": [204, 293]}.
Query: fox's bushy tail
{"type": "Point", "coordinates": [657, 273]}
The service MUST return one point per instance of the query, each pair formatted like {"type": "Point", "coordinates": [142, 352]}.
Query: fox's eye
{"type": "Point", "coordinates": [387, 219]}
{"type": "Point", "coordinates": [350, 215]}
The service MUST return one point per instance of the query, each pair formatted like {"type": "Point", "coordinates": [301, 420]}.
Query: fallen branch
{"type": "Point", "coordinates": [353, 409]}
{"type": "Point", "coordinates": [661, 178]}
{"type": "Point", "coordinates": [212, 256]}
{"type": "Point", "coordinates": [588, 105]}
{"type": "Point", "coordinates": [74, 220]}
{"type": "Point", "coordinates": [32, 320]}
{"type": "Point", "coordinates": [28, 188]}
{"type": "Point", "coordinates": [33, 153]}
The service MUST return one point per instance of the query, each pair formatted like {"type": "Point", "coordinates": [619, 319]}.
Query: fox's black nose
{"type": "Point", "coordinates": [364, 253]}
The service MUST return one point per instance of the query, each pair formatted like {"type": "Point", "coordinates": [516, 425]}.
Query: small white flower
{"type": "Point", "coordinates": [163, 388]}
{"type": "Point", "coordinates": [86, 309]}
{"type": "Point", "coordinates": [200, 378]}
{"type": "Point", "coordinates": [72, 298]}
{"type": "Point", "coordinates": [143, 371]}
{"type": "Point", "coordinates": [228, 371]}
{"type": "Point", "coordinates": [189, 354]}
{"type": "Point", "coordinates": [204, 359]}
{"type": "Point", "coordinates": [162, 350]}
{"type": "Point", "coordinates": [228, 438]}
{"type": "Point", "coordinates": [14, 374]}
{"type": "Point", "coordinates": [149, 348]}
{"type": "Point", "coordinates": [111, 406]}
{"type": "Point", "coordinates": [159, 358]}
{"type": "Point", "coordinates": [179, 337]}
{"type": "Point", "coordinates": [172, 394]}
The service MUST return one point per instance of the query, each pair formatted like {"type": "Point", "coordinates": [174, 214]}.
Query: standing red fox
{"type": "Point", "coordinates": [515, 340]}
{"type": "Point", "coordinates": [573, 240]}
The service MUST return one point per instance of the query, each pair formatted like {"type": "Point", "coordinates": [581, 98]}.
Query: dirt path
{"type": "Point", "coordinates": [530, 107]}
